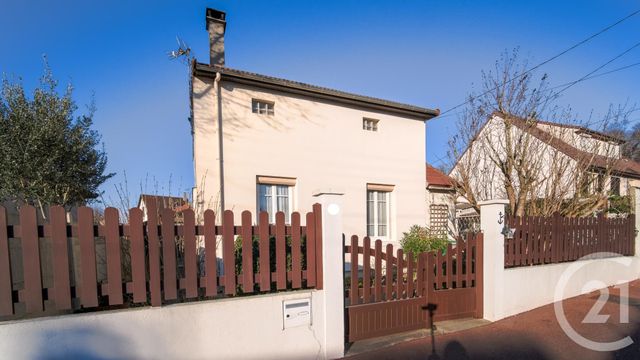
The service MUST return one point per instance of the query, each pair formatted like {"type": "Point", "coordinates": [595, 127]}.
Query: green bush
{"type": "Point", "coordinates": [420, 239]}
{"type": "Point", "coordinates": [619, 205]}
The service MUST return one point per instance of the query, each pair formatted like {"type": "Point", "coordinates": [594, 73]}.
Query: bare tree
{"type": "Point", "coordinates": [503, 149]}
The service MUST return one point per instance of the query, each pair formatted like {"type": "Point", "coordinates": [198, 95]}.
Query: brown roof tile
{"type": "Point", "coordinates": [172, 202]}
{"type": "Point", "coordinates": [436, 177]}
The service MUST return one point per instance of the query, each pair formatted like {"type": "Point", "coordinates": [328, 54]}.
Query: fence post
{"type": "Point", "coordinates": [333, 275]}
{"type": "Point", "coordinates": [636, 244]}
{"type": "Point", "coordinates": [492, 221]}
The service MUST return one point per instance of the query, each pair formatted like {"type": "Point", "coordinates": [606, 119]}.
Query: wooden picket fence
{"type": "Point", "coordinates": [163, 264]}
{"type": "Point", "coordinates": [555, 239]}
{"type": "Point", "coordinates": [386, 299]}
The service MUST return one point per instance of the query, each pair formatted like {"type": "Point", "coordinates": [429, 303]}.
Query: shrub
{"type": "Point", "coordinates": [620, 205]}
{"type": "Point", "coordinates": [420, 239]}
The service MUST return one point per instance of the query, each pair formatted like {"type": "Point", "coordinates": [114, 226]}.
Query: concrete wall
{"type": "Point", "coordinates": [247, 328]}
{"type": "Point", "coordinates": [508, 292]}
{"type": "Point", "coordinates": [319, 143]}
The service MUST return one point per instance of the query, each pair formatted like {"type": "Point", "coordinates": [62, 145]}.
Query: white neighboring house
{"type": "Point", "coordinates": [262, 143]}
{"type": "Point", "coordinates": [441, 195]}
{"type": "Point", "coordinates": [574, 143]}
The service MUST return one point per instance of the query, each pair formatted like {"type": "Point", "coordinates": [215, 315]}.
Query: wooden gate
{"type": "Point", "coordinates": [387, 299]}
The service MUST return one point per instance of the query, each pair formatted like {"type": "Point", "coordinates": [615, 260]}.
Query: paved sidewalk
{"type": "Point", "coordinates": [535, 334]}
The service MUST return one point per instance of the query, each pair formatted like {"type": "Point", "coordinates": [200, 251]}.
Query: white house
{"type": "Point", "coordinates": [579, 158]}
{"type": "Point", "coordinates": [269, 144]}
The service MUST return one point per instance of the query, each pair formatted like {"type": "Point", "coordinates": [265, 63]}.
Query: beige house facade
{"type": "Point", "coordinates": [268, 144]}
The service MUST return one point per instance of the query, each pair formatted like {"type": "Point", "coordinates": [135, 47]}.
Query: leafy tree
{"type": "Point", "coordinates": [47, 154]}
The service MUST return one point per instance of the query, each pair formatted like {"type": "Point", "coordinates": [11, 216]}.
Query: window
{"type": "Point", "coordinates": [262, 107]}
{"type": "Point", "coordinates": [584, 185]}
{"type": "Point", "coordinates": [276, 194]}
{"type": "Point", "coordinates": [615, 186]}
{"type": "Point", "coordinates": [369, 124]}
{"type": "Point", "coordinates": [378, 209]}
{"type": "Point", "coordinates": [600, 186]}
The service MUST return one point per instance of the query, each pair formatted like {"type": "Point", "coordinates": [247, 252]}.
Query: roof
{"type": "Point", "coordinates": [173, 202]}
{"type": "Point", "coordinates": [582, 129]}
{"type": "Point", "coordinates": [437, 178]}
{"type": "Point", "coordinates": [622, 167]}
{"type": "Point", "coordinates": [246, 77]}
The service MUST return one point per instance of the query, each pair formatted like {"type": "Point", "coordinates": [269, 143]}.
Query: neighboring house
{"type": "Point", "coordinates": [571, 149]}
{"type": "Point", "coordinates": [441, 195]}
{"type": "Point", "coordinates": [262, 143]}
{"type": "Point", "coordinates": [174, 203]}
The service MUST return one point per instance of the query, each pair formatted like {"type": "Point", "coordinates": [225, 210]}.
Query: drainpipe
{"type": "Point", "coordinates": [220, 139]}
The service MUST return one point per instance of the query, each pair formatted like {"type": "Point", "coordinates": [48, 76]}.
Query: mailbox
{"type": "Point", "coordinates": [296, 312]}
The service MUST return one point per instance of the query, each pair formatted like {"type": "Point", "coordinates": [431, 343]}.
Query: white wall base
{"type": "Point", "coordinates": [526, 288]}
{"type": "Point", "coordinates": [247, 328]}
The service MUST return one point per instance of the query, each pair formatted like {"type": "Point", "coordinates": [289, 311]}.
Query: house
{"type": "Point", "coordinates": [271, 144]}
{"type": "Point", "coordinates": [441, 195]}
{"type": "Point", "coordinates": [177, 204]}
{"type": "Point", "coordinates": [565, 160]}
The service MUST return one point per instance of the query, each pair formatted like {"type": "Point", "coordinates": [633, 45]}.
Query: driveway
{"type": "Point", "coordinates": [535, 334]}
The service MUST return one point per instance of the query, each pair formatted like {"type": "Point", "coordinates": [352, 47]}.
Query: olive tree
{"type": "Point", "coordinates": [48, 154]}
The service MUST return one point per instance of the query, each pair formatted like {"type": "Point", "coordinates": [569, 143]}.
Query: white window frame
{"type": "Point", "coordinates": [263, 107]}
{"type": "Point", "coordinates": [376, 218]}
{"type": "Point", "coordinates": [369, 124]}
{"type": "Point", "coordinates": [274, 203]}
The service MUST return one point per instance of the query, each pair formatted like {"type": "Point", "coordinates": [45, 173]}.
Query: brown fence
{"type": "Point", "coordinates": [152, 262]}
{"type": "Point", "coordinates": [555, 239]}
{"type": "Point", "coordinates": [386, 299]}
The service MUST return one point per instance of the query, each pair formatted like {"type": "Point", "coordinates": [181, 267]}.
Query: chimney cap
{"type": "Point", "coordinates": [213, 15]}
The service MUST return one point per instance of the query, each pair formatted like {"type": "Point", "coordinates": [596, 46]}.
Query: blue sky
{"type": "Point", "coordinates": [424, 53]}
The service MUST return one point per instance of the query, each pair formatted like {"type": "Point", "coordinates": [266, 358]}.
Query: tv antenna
{"type": "Point", "coordinates": [183, 52]}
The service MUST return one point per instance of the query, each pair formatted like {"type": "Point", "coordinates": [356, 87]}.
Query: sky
{"type": "Point", "coordinates": [424, 53]}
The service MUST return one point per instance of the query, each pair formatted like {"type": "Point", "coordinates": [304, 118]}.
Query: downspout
{"type": "Point", "coordinates": [220, 139]}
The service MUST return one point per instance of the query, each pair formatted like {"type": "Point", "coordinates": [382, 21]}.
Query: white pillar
{"type": "Point", "coordinates": [492, 221]}
{"type": "Point", "coordinates": [333, 270]}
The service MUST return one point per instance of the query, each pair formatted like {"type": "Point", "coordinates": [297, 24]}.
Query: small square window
{"type": "Point", "coordinates": [370, 124]}
{"type": "Point", "coordinates": [262, 107]}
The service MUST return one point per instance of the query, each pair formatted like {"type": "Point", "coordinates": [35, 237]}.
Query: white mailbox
{"type": "Point", "coordinates": [296, 312]}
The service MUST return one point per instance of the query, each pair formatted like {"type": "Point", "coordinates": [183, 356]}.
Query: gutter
{"type": "Point", "coordinates": [218, 90]}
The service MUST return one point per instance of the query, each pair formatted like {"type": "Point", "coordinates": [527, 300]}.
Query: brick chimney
{"type": "Point", "coordinates": [216, 25]}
